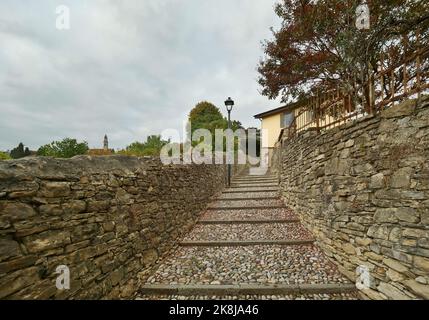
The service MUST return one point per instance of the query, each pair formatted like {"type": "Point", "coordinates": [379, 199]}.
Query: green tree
{"type": "Point", "coordinates": [20, 151]}
{"type": "Point", "coordinates": [4, 156]}
{"type": "Point", "coordinates": [318, 44]}
{"type": "Point", "coordinates": [65, 148]}
{"type": "Point", "coordinates": [206, 115]}
{"type": "Point", "coordinates": [152, 147]}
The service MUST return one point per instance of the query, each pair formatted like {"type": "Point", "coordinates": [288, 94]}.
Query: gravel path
{"type": "Point", "coordinates": [235, 232]}
{"type": "Point", "coordinates": [246, 203]}
{"type": "Point", "coordinates": [249, 214]}
{"type": "Point", "coordinates": [250, 265]}
{"type": "Point", "coordinates": [253, 264]}
{"type": "Point", "coordinates": [342, 296]}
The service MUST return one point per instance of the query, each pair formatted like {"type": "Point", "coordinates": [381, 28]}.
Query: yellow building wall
{"type": "Point", "coordinates": [272, 126]}
{"type": "Point", "coordinates": [307, 118]}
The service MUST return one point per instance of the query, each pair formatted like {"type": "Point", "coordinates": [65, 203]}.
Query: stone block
{"type": "Point", "coordinates": [9, 249]}
{"type": "Point", "coordinates": [149, 257]}
{"type": "Point", "coordinates": [415, 233]}
{"type": "Point", "coordinates": [377, 181]}
{"type": "Point", "coordinates": [409, 215]}
{"type": "Point", "coordinates": [395, 265]}
{"type": "Point", "coordinates": [379, 232]}
{"type": "Point", "coordinates": [54, 189]}
{"type": "Point", "coordinates": [401, 178]}
{"type": "Point", "coordinates": [421, 290]}
{"type": "Point", "coordinates": [16, 211]}
{"type": "Point", "coordinates": [386, 215]}
{"type": "Point", "coordinates": [421, 263]}
{"type": "Point", "coordinates": [18, 281]}
{"type": "Point", "coordinates": [46, 240]}
{"type": "Point", "coordinates": [74, 207]}
{"type": "Point", "coordinates": [403, 109]}
{"type": "Point", "coordinates": [392, 292]}
{"type": "Point", "coordinates": [51, 209]}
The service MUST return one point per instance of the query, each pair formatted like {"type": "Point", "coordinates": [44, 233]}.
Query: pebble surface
{"type": "Point", "coordinates": [246, 203]}
{"type": "Point", "coordinates": [342, 296]}
{"type": "Point", "coordinates": [250, 189]}
{"type": "Point", "coordinates": [303, 264]}
{"type": "Point", "coordinates": [251, 265]}
{"type": "Point", "coordinates": [249, 195]}
{"type": "Point", "coordinates": [236, 232]}
{"type": "Point", "coordinates": [250, 214]}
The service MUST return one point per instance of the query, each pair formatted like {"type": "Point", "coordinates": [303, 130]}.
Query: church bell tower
{"type": "Point", "coordinates": [106, 143]}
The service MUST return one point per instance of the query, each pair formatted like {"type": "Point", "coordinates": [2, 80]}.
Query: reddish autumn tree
{"type": "Point", "coordinates": [319, 45]}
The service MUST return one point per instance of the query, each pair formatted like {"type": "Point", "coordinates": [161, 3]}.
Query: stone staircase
{"type": "Point", "coordinates": [248, 245]}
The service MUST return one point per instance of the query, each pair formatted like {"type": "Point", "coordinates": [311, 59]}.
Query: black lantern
{"type": "Point", "coordinates": [229, 103]}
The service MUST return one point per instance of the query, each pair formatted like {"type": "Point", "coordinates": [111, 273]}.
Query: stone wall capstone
{"type": "Point", "coordinates": [106, 218]}
{"type": "Point", "coordinates": [363, 189]}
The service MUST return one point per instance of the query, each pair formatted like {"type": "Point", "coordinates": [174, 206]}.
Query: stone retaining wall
{"type": "Point", "coordinates": [106, 218]}
{"type": "Point", "coordinates": [363, 189]}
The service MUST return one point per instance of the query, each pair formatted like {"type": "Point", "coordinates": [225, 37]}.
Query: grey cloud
{"type": "Point", "coordinates": [126, 68]}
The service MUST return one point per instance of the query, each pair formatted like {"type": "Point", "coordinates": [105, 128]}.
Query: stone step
{"type": "Point", "coordinates": [251, 265]}
{"type": "Point", "coordinates": [249, 195]}
{"type": "Point", "coordinates": [245, 243]}
{"type": "Point", "coordinates": [249, 214]}
{"type": "Point", "coordinates": [249, 289]}
{"type": "Point", "coordinates": [248, 232]}
{"type": "Point", "coordinates": [254, 203]}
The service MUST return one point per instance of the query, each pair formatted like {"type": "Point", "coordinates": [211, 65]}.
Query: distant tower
{"type": "Point", "coordinates": [106, 143]}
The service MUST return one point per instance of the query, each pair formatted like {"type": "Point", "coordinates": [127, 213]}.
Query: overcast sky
{"type": "Point", "coordinates": [126, 68]}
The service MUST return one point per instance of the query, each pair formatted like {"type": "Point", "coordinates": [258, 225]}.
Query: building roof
{"type": "Point", "coordinates": [285, 108]}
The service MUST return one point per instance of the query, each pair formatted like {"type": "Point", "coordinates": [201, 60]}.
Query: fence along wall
{"type": "Point", "coordinates": [330, 107]}
{"type": "Point", "coordinates": [363, 189]}
{"type": "Point", "coordinates": [106, 218]}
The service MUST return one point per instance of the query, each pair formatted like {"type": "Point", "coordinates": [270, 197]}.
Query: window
{"type": "Point", "coordinates": [287, 119]}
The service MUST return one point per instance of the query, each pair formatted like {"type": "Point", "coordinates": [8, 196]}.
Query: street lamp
{"type": "Point", "coordinates": [229, 104]}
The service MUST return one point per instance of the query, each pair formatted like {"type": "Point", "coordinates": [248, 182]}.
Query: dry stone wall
{"type": "Point", "coordinates": [106, 218]}
{"type": "Point", "coordinates": [363, 189]}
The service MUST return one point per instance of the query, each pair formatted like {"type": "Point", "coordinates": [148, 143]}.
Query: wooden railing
{"type": "Point", "coordinates": [333, 107]}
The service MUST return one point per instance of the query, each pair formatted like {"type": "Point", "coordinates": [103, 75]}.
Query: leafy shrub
{"type": "Point", "coordinates": [4, 156]}
{"type": "Point", "coordinates": [66, 148]}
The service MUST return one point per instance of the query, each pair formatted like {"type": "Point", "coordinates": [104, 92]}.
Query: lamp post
{"type": "Point", "coordinates": [229, 103]}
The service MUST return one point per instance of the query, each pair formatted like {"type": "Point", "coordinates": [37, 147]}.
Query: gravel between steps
{"type": "Point", "coordinates": [246, 203]}
{"type": "Point", "coordinates": [249, 214]}
{"type": "Point", "coordinates": [235, 232]}
{"type": "Point", "coordinates": [249, 195]}
{"type": "Point", "coordinates": [342, 296]}
{"type": "Point", "coordinates": [250, 189]}
{"type": "Point", "coordinates": [254, 184]}
{"type": "Point", "coordinates": [302, 264]}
